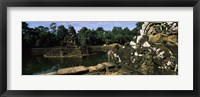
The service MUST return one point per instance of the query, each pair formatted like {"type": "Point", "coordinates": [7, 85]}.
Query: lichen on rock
{"type": "Point", "coordinates": [154, 50]}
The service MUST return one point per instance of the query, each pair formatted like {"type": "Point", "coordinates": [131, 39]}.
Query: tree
{"type": "Point", "coordinates": [31, 37]}
{"type": "Point", "coordinates": [28, 36]}
{"type": "Point", "coordinates": [42, 29]}
{"type": "Point", "coordinates": [100, 35]}
{"type": "Point", "coordinates": [117, 35]}
{"type": "Point", "coordinates": [107, 37]}
{"type": "Point", "coordinates": [126, 30]}
{"type": "Point", "coordinates": [127, 35]}
{"type": "Point", "coordinates": [100, 29]}
{"type": "Point", "coordinates": [45, 38]}
{"type": "Point", "coordinates": [53, 28]}
{"type": "Point", "coordinates": [88, 37]}
{"type": "Point", "coordinates": [139, 25]}
{"type": "Point", "coordinates": [91, 37]}
{"type": "Point", "coordinates": [137, 28]}
{"type": "Point", "coordinates": [25, 27]}
{"type": "Point", "coordinates": [117, 30]}
{"type": "Point", "coordinates": [61, 33]}
{"type": "Point", "coordinates": [82, 37]}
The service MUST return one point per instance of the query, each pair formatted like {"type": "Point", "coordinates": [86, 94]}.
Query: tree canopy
{"type": "Point", "coordinates": [58, 35]}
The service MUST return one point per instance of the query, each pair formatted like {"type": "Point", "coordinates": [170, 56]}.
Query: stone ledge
{"type": "Point", "coordinates": [78, 70]}
{"type": "Point", "coordinates": [73, 70]}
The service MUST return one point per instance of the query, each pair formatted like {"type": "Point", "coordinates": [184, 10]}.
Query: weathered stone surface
{"type": "Point", "coordinates": [92, 68]}
{"type": "Point", "coordinates": [108, 65]}
{"type": "Point", "coordinates": [101, 67]}
{"type": "Point", "coordinates": [161, 56]}
{"type": "Point", "coordinates": [73, 70]}
{"type": "Point", "coordinates": [74, 52]}
{"type": "Point", "coordinates": [153, 51]}
{"type": "Point", "coordinates": [155, 38]}
{"type": "Point", "coordinates": [171, 38]}
{"type": "Point", "coordinates": [113, 54]}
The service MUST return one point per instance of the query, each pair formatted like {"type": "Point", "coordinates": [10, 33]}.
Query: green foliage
{"type": "Point", "coordinates": [59, 35]}
{"type": "Point", "coordinates": [82, 37]}
{"type": "Point", "coordinates": [62, 32]}
{"type": "Point", "coordinates": [25, 27]}
{"type": "Point", "coordinates": [100, 35]}
{"type": "Point", "coordinates": [53, 28]}
{"type": "Point", "coordinates": [37, 37]}
{"type": "Point", "coordinates": [87, 36]}
{"type": "Point", "coordinates": [138, 27]}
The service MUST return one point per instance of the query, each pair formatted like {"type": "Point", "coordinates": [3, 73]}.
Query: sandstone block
{"type": "Point", "coordinates": [73, 70]}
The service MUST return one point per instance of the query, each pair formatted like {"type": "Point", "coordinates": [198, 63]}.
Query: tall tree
{"type": "Point", "coordinates": [53, 27]}
{"type": "Point", "coordinates": [45, 38]}
{"type": "Point", "coordinates": [126, 30]}
{"type": "Point", "coordinates": [91, 37]}
{"type": "Point", "coordinates": [25, 27]}
{"type": "Point", "coordinates": [139, 25]}
{"type": "Point", "coordinates": [137, 28]}
{"type": "Point", "coordinates": [100, 29]}
{"type": "Point", "coordinates": [61, 33]}
{"type": "Point", "coordinates": [82, 37]}
{"type": "Point", "coordinates": [100, 35]}
{"type": "Point", "coordinates": [117, 30]}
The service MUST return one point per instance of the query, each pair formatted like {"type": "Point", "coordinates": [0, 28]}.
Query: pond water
{"type": "Point", "coordinates": [33, 65]}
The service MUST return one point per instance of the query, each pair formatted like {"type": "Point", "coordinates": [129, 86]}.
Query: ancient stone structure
{"type": "Point", "coordinates": [113, 54]}
{"type": "Point", "coordinates": [71, 50]}
{"type": "Point", "coordinates": [153, 51]}
{"type": "Point", "coordinates": [71, 37]}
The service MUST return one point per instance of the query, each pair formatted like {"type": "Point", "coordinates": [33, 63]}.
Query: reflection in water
{"type": "Point", "coordinates": [39, 64]}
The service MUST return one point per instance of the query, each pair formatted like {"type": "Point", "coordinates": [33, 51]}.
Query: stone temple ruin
{"type": "Point", "coordinates": [71, 37]}
{"type": "Point", "coordinates": [154, 51]}
{"type": "Point", "coordinates": [71, 49]}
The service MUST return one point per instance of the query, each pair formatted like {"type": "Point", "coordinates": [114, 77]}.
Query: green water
{"type": "Point", "coordinates": [33, 65]}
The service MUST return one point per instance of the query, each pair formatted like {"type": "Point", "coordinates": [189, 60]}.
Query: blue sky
{"type": "Point", "coordinates": [91, 25]}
